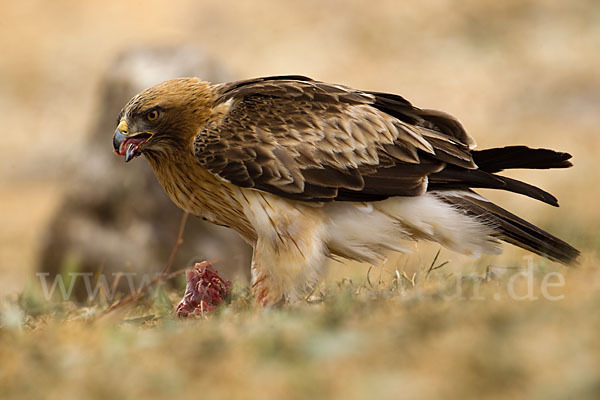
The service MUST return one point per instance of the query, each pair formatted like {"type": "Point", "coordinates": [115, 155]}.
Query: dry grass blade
{"type": "Point", "coordinates": [433, 267]}
{"type": "Point", "coordinates": [164, 276]}
{"type": "Point", "coordinates": [178, 243]}
{"type": "Point", "coordinates": [134, 296]}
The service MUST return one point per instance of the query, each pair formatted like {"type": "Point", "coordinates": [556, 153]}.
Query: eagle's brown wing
{"type": "Point", "coordinates": [313, 141]}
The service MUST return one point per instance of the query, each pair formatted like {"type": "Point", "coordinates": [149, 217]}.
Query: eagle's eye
{"type": "Point", "coordinates": [152, 115]}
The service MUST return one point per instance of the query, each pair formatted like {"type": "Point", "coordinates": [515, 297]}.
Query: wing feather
{"type": "Point", "coordinates": [314, 141]}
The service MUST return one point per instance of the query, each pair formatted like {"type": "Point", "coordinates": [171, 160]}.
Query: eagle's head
{"type": "Point", "coordinates": [163, 119]}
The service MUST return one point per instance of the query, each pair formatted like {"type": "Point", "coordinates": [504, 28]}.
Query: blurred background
{"type": "Point", "coordinates": [514, 72]}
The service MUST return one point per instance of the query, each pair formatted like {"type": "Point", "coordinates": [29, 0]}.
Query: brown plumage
{"type": "Point", "coordinates": [299, 168]}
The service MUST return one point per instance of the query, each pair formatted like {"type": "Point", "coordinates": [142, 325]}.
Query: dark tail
{"type": "Point", "coordinates": [513, 229]}
{"type": "Point", "coordinates": [509, 227]}
{"type": "Point", "coordinates": [511, 157]}
{"type": "Point", "coordinates": [491, 161]}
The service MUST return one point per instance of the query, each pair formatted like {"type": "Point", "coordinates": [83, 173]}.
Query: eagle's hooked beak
{"type": "Point", "coordinates": [126, 144]}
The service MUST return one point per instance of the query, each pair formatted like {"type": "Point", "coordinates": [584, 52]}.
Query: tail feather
{"type": "Point", "coordinates": [460, 178]}
{"type": "Point", "coordinates": [511, 228]}
{"type": "Point", "coordinates": [510, 157]}
{"type": "Point", "coordinates": [498, 159]}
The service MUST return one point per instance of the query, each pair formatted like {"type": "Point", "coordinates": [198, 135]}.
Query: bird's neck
{"type": "Point", "coordinates": [194, 189]}
{"type": "Point", "coordinates": [184, 180]}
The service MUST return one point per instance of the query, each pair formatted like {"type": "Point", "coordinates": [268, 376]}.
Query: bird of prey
{"type": "Point", "coordinates": [305, 170]}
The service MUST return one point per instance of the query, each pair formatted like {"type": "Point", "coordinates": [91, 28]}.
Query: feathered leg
{"type": "Point", "coordinates": [285, 271]}
{"type": "Point", "coordinates": [289, 252]}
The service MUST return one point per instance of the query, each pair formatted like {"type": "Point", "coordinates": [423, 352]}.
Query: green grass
{"type": "Point", "coordinates": [398, 336]}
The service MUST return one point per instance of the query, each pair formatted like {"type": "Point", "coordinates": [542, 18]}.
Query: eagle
{"type": "Point", "coordinates": [306, 170]}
